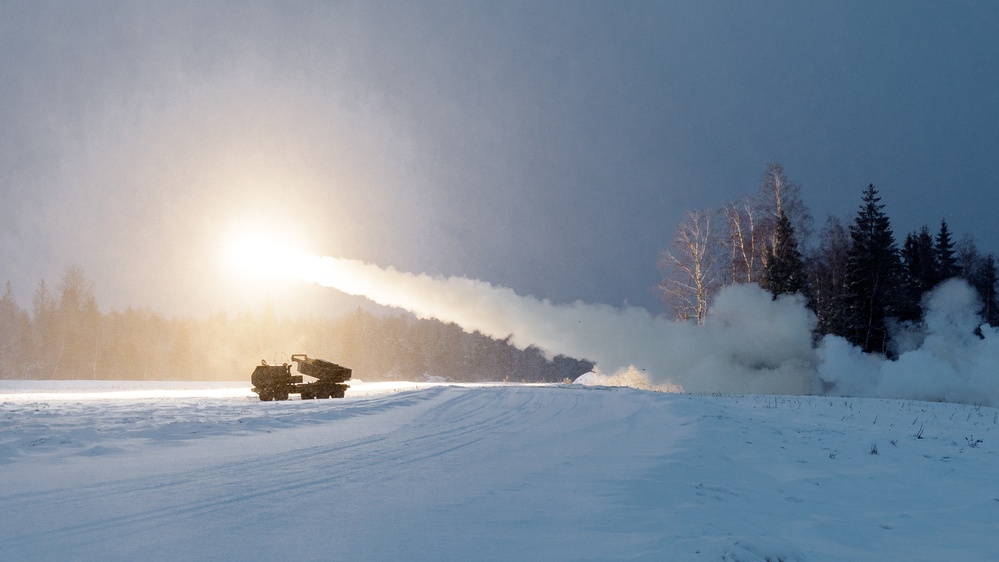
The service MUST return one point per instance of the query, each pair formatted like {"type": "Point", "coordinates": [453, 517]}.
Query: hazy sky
{"type": "Point", "coordinates": [550, 147]}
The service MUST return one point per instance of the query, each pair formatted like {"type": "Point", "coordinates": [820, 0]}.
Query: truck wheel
{"type": "Point", "coordinates": [281, 395]}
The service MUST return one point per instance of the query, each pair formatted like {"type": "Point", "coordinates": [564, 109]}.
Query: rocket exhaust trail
{"type": "Point", "coordinates": [727, 357]}
{"type": "Point", "coordinates": [749, 343]}
{"type": "Point", "coordinates": [495, 311]}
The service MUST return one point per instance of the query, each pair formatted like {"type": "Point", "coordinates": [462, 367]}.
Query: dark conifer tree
{"type": "Point", "coordinates": [784, 271]}
{"type": "Point", "coordinates": [920, 272]}
{"type": "Point", "coordinates": [10, 350]}
{"type": "Point", "coordinates": [873, 276]}
{"type": "Point", "coordinates": [944, 250]}
{"type": "Point", "coordinates": [984, 279]}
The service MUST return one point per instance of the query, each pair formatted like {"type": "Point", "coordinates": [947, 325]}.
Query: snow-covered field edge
{"type": "Point", "coordinates": [495, 472]}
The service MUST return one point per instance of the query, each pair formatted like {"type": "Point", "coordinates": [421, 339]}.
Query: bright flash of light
{"type": "Point", "coordinates": [254, 255]}
{"type": "Point", "coordinates": [259, 256]}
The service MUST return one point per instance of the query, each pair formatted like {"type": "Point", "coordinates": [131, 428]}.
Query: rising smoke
{"type": "Point", "coordinates": [942, 360]}
{"type": "Point", "coordinates": [749, 343]}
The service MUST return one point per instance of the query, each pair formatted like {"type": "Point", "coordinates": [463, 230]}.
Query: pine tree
{"type": "Point", "coordinates": [784, 272]}
{"type": "Point", "coordinates": [920, 272]}
{"type": "Point", "coordinates": [944, 250]}
{"type": "Point", "coordinates": [984, 279]}
{"type": "Point", "coordinates": [44, 332]}
{"type": "Point", "coordinates": [10, 352]}
{"type": "Point", "coordinates": [873, 276]}
{"type": "Point", "coordinates": [752, 224]}
{"type": "Point", "coordinates": [78, 317]}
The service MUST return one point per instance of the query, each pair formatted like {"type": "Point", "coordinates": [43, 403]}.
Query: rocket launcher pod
{"type": "Point", "coordinates": [275, 382]}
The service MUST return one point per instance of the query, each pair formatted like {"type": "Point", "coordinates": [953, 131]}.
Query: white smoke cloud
{"type": "Point", "coordinates": [750, 343]}
{"type": "Point", "coordinates": [951, 363]}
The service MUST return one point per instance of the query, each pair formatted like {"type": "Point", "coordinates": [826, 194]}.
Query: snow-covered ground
{"type": "Point", "coordinates": [405, 471]}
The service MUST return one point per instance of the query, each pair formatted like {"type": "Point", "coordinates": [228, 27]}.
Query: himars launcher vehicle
{"type": "Point", "coordinates": [275, 382]}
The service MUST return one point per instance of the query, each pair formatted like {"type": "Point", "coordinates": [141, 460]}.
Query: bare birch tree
{"type": "Point", "coordinates": [690, 273]}
{"type": "Point", "coordinates": [752, 223]}
{"type": "Point", "coordinates": [779, 194]}
{"type": "Point", "coordinates": [744, 240]}
{"type": "Point", "coordinates": [703, 259]}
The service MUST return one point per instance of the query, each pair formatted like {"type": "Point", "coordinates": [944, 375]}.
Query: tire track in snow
{"type": "Point", "coordinates": [160, 490]}
{"type": "Point", "coordinates": [455, 419]}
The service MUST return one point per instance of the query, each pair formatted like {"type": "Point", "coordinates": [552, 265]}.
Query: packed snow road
{"type": "Point", "coordinates": [496, 473]}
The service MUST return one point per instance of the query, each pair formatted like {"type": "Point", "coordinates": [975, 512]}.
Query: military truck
{"type": "Point", "coordinates": [275, 382]}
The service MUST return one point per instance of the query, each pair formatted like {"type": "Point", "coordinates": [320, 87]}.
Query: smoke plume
{"type": "Point", "coordinates": [941, 360]}
{"type": "Point", "coordinates": [749, 344]}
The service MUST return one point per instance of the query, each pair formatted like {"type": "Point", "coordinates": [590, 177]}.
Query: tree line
{"type": "Point", "coordinates": [857, 279]}
{"type": "Point", "coordinates": [66, 336]}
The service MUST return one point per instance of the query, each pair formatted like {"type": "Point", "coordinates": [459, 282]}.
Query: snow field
{"type": "Point", "coordinates": [495, 473]}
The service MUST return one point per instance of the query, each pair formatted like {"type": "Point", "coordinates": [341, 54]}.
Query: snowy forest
{"type": "Point", "coordinates": [66, 336]}
{"type": "Point", "coordinates": [857, 279]}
